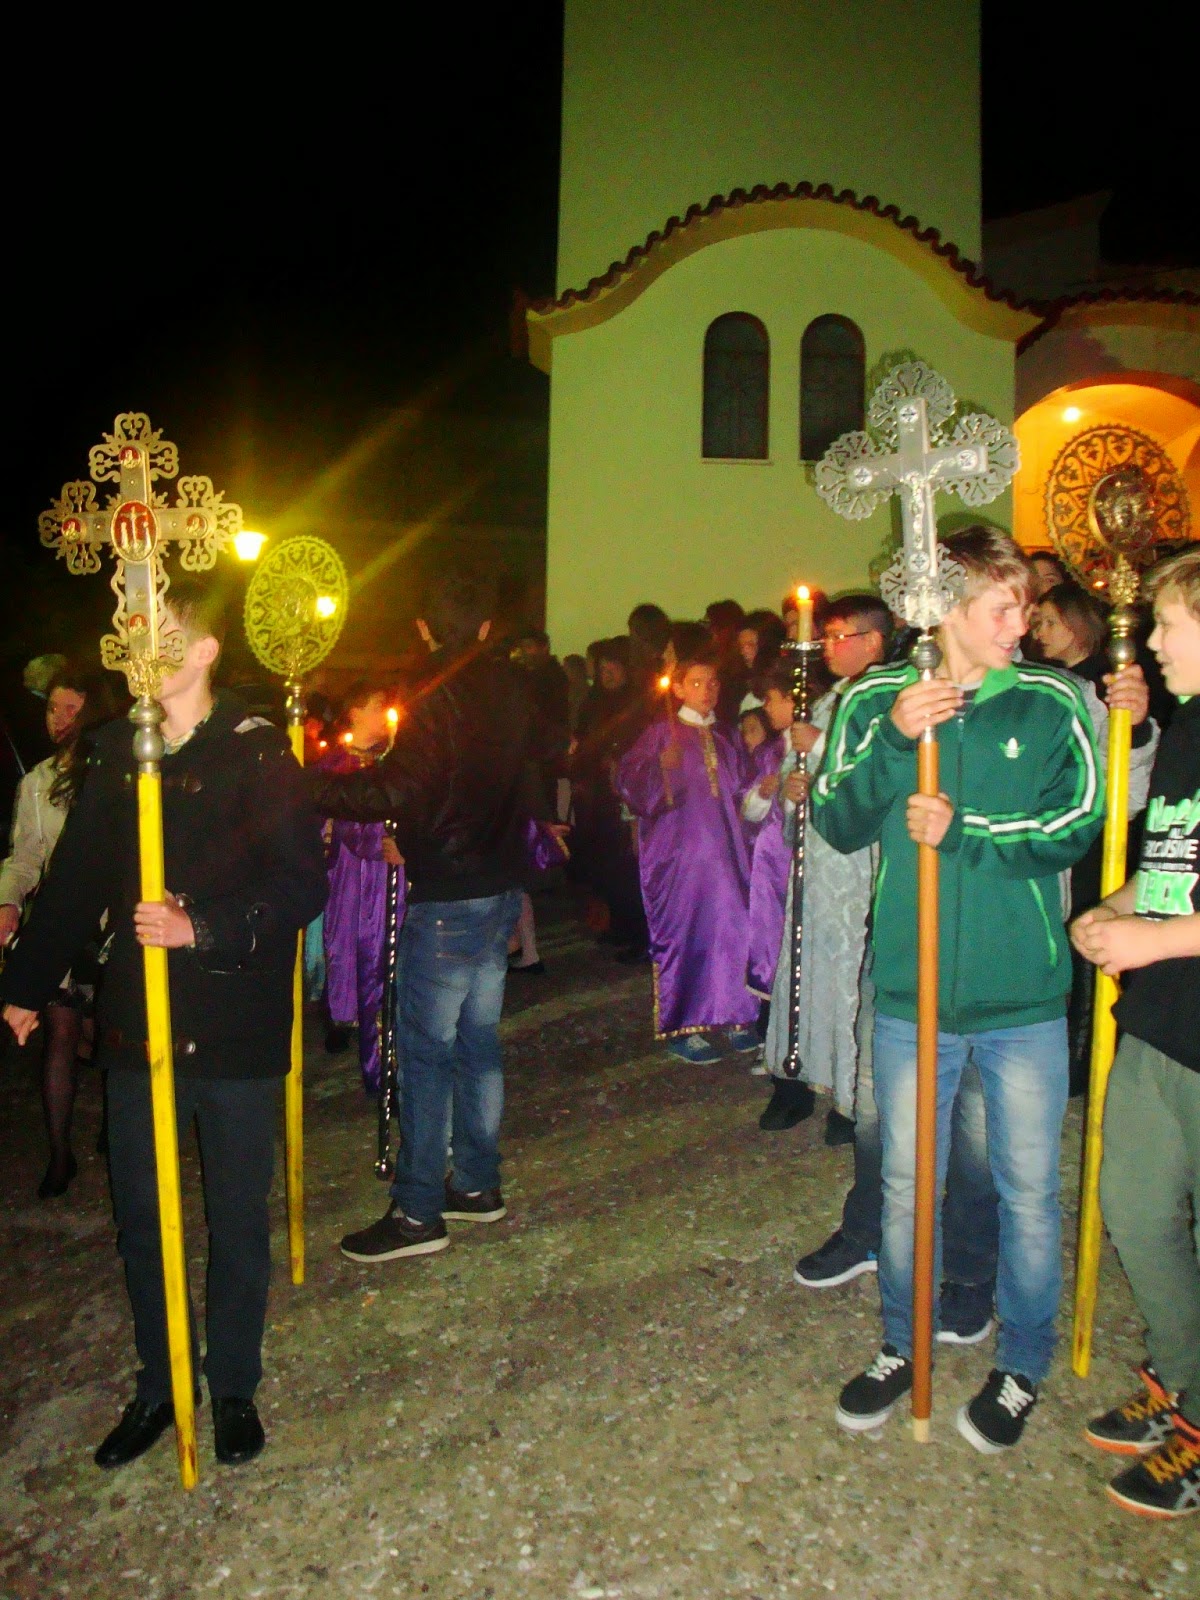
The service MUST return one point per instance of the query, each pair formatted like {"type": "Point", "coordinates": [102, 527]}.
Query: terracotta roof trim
{"type": "Point", "coordinates": [969, 270]}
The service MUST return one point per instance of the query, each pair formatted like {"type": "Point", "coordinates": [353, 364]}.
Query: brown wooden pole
{"type": "Point", "coordinates": [925, 1177]}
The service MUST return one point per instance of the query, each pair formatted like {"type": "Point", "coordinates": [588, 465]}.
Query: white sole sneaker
{"type": "Point", "coordinates": [972, 1435]}
{"type": "Point", "coordinates": [856, 1271]}
{"type": "Point", "coordinates": [871, 1424]}
{"type": "Point", "coordinates": [948, 1336]}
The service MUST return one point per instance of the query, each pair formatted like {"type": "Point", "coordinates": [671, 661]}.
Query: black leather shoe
{"type": "Point", "coordinates": [140, 1426]}
{"type": "Point", "coordinates": [237, 1431]}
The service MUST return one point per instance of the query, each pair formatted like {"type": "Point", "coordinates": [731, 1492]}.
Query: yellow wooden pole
{"type": "Point", "coordinates": [1104, 1044]}
{"type": "Point", "coordinates": [148, 748]}
{"type": "Point", "coordinates": [293, 1094]}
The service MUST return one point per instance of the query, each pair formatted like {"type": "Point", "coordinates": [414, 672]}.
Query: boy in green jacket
{"type": "Point", "coordinates": [1022, 799]}
{"type": "Point", "coordinates": [1149, 930]}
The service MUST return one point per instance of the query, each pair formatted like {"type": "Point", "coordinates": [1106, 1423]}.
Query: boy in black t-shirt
{"type": "Point", "coordinates": [1149, 930]}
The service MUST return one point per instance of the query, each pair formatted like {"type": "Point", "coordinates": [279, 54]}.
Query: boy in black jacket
{"type": "Point", "coordinates": [1149, 931]}
{"type": "Point", "coordinates": [246, 869]}
{"type": "Point", "coordinates": [456, 785]}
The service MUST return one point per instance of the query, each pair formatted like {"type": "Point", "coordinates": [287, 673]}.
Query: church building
{"type": "Point", "coordinates": [762, 208]}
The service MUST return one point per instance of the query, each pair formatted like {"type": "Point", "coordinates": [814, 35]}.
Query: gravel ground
{"type": "Point", "coordinates": [617, 1392]}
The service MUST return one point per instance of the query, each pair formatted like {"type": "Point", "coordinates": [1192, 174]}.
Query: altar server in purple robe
{"type": "Point", "coordinates": [770, 850]}
{"type": "Point", "coordinates": [359, 854]}
{"type": "Point", "coordinates": [683, 780]}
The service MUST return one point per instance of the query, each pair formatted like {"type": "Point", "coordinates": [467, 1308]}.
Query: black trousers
{"type": "Point", "coordinates": [235, 1120]}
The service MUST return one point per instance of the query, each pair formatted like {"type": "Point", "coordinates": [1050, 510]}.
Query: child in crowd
{"type": "Point", "coordinates": [771, 857]}
{"type": "Point", "coordinates": [683, 780]}
{"type": "Point", "coordinates": [1022, 801]}
{"type": "Point", "coordinates": [359, 856]}
{"type": "Point", "coordinates": [1149, 931]}
{"type": "Point", "coordinates": [757, 733]}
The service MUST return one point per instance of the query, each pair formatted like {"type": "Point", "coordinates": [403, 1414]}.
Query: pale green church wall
{"type": "Point", "coordinates": [668, 102]}
{"type": "Point", "coordinates": [636, 514]}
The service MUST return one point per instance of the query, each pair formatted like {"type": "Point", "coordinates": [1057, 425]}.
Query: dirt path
{"type": "Point", "coordinates": [618, 1392]}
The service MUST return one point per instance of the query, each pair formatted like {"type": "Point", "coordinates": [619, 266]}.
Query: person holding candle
{"type": "Point", "coordinates": [683, 781]}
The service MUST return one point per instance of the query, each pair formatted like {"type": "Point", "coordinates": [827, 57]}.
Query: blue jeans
{"type": "Point", "coordinates": [451, 964]}
{"type": "Point", "coordinates": [969, 1215]}
{"type": "Point", "coordinates": [1023, 1072]}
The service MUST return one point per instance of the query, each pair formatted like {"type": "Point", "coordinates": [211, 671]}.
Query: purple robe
{"type": "Point", "coordinates": [355, 915]}
{"type": "Point", "coordinates": [770, 864]}
{"type": "Point", "coordinates": [695, 870]}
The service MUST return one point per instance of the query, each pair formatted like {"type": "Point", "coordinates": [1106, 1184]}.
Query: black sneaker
{"type": "Point", "coordinates": [868, 1400]}
{"type": "Point", "coordinates": [791, 1102]}
{"type": "Point", "coordinates": [965, 1313]}
{"type": "Point", "coordinates": [1144, 1422]}
{"type": "Point", "coordinates": [1165, 1483]}
{"type": "Point", "coordinates": [484, 1205]}
{"type": "Point", "coordinates": [996, 1418]}
{"type": "Point", "coordinates": [395, 1235]}
{"type": "Point", "coordinates": [837, 1261]}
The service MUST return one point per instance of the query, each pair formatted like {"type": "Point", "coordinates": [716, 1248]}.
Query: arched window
{"type": "Point", "coordinates": [833, 381]}
{"type": "Point", "coordinates": [737, 362]}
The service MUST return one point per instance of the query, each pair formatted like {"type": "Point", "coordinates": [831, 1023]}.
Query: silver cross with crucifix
{"type": "Point", "coordinates": [915, 445]}
{"type": "Point", "coordinates": [137, 521]}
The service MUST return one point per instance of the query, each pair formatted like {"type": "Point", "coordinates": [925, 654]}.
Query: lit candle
{"type": "Point", "coordinates": [804, 615]}
{"type": "Point", "coordinates": [664, 683]}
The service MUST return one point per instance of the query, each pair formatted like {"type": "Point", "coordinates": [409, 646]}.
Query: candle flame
{"type": "Point", "coordinates": [664, 682]}
{"type": "Point", "coordinates": [393, 716]}
{"type": "Point", "coordinates": [803, 592]}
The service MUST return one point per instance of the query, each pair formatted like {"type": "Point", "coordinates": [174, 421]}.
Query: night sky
{"type": "Point", "coordinates": [286, 239]}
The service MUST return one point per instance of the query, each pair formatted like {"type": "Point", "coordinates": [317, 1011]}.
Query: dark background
{"type": "Point", "coordinates": [280, 246]}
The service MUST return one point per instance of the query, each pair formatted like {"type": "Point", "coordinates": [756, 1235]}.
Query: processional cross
{"type": "Point", "coordinates": [915, 446]}
{"type": "Point", "coordinates": [138, 523]}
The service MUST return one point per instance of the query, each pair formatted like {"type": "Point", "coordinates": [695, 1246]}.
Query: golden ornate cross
{"type": "Point", "coordinates": [136, 522]}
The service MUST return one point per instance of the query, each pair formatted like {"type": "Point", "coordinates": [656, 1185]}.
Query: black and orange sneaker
{"type": "Point", "coordinates": [1144, 1422]}
{"type": "Point", "coordinates": [1166, 1483]}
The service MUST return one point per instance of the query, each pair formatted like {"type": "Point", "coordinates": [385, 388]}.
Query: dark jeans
{"type": "Point", "coordinates": [970, 1209]}
{"type": "Point", "coordinates": [235, 1119]}
{"type": "Point", "coordinates": [451, 966]}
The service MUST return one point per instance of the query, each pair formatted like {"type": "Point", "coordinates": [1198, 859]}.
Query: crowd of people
{"type": "Point", "coordinates": [670, 772]}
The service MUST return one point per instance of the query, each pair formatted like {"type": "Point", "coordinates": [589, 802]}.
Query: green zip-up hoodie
{"type": "Point", "coordinates": [1019, 765]}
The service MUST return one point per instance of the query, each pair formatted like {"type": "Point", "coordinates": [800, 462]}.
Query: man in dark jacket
{"type": "Point", "coordinates": [456, 786]}
{"type": "Point", "coordinates": [246, 869]}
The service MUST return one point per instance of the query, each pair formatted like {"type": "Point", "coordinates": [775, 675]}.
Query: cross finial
{"type": "Point", "coordinates": [914, 445]}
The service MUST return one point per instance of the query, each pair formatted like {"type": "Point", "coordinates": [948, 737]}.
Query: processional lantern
{"type": "Point", "coordinates": [1113, 499]}
{"type": "Point", "coordinates": [295, 610]}
{"type": "Point", "coordinates": [138, 524]}
{"type": "Point", "coordinates": [916, 443]}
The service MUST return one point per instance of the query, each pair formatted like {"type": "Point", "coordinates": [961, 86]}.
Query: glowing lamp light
{"type": "Point", "coordinates": [1072, 414]}
{"type": "Point", "coordinates": [664, 683]}
{"type": "Point", "coordinates": [347, 738]}
{"type": "Point", "coordinates": [249, 545]}
{"type": "Point", "coordinates": [393, 716]}
{"type": "Point", "coordinates": [322, 744]}
{"type": "Point", "coordinates": [326, 606]}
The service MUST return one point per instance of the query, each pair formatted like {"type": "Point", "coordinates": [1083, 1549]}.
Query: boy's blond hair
{"type": "Point", "coordinates": [989, 557]}
{"type": "Point", "coordinates": [1176, 578]}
